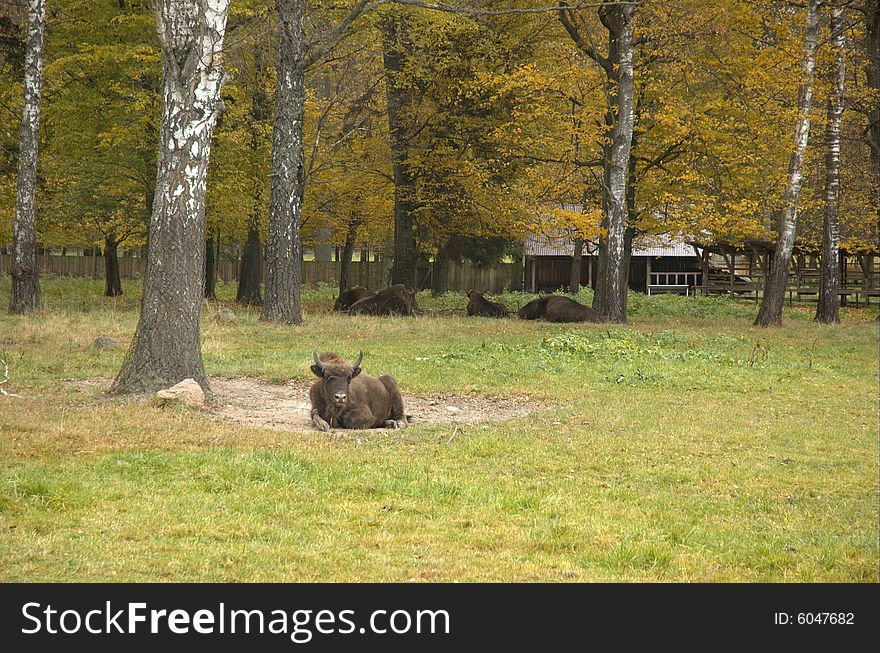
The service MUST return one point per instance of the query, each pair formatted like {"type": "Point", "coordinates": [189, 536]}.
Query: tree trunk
{"type": "Point", "coordinates": [387, 260]}
{"type": "Point", "coordinates": [574, 283]}
{"type": "Point", "coordinates": [210, 270]}
{"type": "Point", "coordinates": [25, 296]}
{"type": "Point", "coordinates": [283, 245]}
{"type": "Point", "coordinates": [610, 297]}
{"type": "Point", "coordinates": [872, 70]}
{"type": "Point", "coordinates": [113, 285]}
{"type": "Point", "coordinates": [396, 47]}
{"type": "Point", "coordinates": [347, 253]}
{"type": "Point", "coordinates": [770, 313]}
{"type": "Point", "coordinates": [829, 300]}
{"type": "Point", "coordinates": [516, 284]}
{"type": "Point", "coordinates": [166, 347]}
{"type": "Point", "coordinates": [250, 274]}
{"type": "Point", "coordinates": [440, 272]}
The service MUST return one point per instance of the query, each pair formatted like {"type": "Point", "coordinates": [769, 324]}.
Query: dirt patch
{"type": "Point", "coordinates": [287, 407]}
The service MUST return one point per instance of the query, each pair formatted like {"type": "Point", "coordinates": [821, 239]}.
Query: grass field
{"type": "Point", "coordinates": [685, 446]}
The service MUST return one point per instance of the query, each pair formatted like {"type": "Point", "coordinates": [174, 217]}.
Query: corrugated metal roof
{"type": "Point", "coordinates": [544, 245]}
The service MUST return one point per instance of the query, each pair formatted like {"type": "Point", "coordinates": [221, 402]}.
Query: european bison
{"type": "Point", "coordinates": [396, 300]}
{"type": "Point", "coordinates": [482, 307]}
{"type": "Point", "coordinates": [348, 297]}
{"type": "Point", "coordinates": [344, 398]}
{"type": "Point", "coordinates": [563, 309]}
{"type": "Point", "coordinates": [535, 309]}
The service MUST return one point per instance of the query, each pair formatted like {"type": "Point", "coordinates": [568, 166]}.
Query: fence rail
{"type": "Point", "coordinates": [363, 273]}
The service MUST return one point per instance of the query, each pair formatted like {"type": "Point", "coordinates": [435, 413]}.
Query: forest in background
{"type": "Point", "coordinates": [429, 130]}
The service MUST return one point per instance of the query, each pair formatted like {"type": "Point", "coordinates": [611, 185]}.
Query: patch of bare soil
{"type": "Point", "coordinates": [287, 407]}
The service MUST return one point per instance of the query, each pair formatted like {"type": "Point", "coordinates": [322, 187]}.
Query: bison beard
{"type": "Point", "coordinates": [342, 397]}
{"type": "Point", "coordinates": [482, 307]}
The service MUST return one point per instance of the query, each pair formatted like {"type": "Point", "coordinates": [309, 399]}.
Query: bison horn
{"type": "Point", "coordinates": [317, 360]}
{"type": "Point", "coordinates": [358, 361]}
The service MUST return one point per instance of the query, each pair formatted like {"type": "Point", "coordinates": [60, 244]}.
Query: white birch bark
{"type": "Point", "coordinates": [770, 313]}
{"type": "Point", "coordinates": [283, 244]}
{"type": "Point", "coordinates": [611, 286]}
{"type": "Point", "coordinates": [25, 296]}
{"type": "Point", "coordinates": [828, 308]}
{"type": "Point", "coordinates": [166, 347]}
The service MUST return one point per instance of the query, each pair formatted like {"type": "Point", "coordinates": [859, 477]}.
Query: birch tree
{"type": "Point", "coordinates": [617, 67]}
{"type": "Point", "coordinates": [770, 313]}
{"type": "Point", "coordinates": [284, 245]}
{"type": "Point", "coordinates": [829, 300]}
{"type": "Point", "coordinates": [25, 295]}
{"type": "Point", "coordinates": [166, 347]}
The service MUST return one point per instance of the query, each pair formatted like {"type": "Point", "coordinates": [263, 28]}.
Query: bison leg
{"type": "Point", "coordinates": [318, 421]}
{"type": "Point", "coordinates": [398, 415]}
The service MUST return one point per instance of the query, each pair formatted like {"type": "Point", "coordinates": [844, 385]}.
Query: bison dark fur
{"type": "Point", "coordinates": [396, 300]}
{"type": "Point", "coordinates": [352, 295]}
{"type": "Point", "coordinates": [563, 309]}
{"type": "Point", "coordinates": [344, 398]}
{"type": "Point", "coordinates": [482, 307]}
{"type": "Point", "coordinates": [534, 310]}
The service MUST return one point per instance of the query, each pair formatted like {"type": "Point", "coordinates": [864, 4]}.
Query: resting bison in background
{"type": "Point", "coordinates": [396, 300]}
{"type": "Point", "coordinates": [348, 297]}
{"type": "Point", "coordinates": [563, 309]}
{"type": "Point", "coordinates": [557, 309]}
{"type": "Point", "coordinates": [535, 309]}
{"type": "Point", "coordinates": [344, 398]}
{"type": "Point", "coordinates": [482, 307]}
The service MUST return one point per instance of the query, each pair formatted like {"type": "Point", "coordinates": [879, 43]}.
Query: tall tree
{"type": "Point", "coordinates": [397, 45]}
{"type": "Point", "coordinates": [770, 313]}
{"type": "Point", "coordinates": [617, 66]}
{"type": "Point", "coordinates": [871, 10]}
{"type": "Point", "coordinates": [283, 245]}
{"type": "Point", "coordinates": [25, 295]}
{"type": "Point", "coordinates": [829, 300]}
{"type": "Point", "coordinates": [166, 347]}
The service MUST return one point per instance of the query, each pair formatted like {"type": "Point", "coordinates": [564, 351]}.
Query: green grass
{"type": "Point", "coordinates": [687, 445]}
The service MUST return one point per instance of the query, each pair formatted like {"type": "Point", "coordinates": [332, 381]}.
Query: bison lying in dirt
{"type": "Point", "coordinates": [352, 295]}
{"type": "Point", "coordinates": [344, 398]}
{"type": "Point", "coordinates": [482, 307]}
{"type": "Point", "coordinates": [558, 309]}
{"type": "Point", "coordinates": [396, 300]}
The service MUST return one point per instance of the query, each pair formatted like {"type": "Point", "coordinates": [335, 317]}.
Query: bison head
{"type": "Point", "coordinates": [336, 374]}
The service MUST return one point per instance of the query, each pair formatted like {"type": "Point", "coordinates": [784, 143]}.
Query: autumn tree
{"type": "Point", "coordinates": [166, 347]}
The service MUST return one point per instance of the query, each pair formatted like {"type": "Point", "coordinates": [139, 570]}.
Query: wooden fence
{"type": "Point", "coordinates": [363, 273]}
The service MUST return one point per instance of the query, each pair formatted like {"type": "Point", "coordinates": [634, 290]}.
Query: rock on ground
{"type": "Point", "coordinates": [105, 342]}
{"type": "Point", "coordinates": [187, 391]}
{"type": "Point", "coordinates": [226, 316]}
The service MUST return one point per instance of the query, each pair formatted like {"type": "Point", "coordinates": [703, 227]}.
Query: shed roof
{"type": "Point", "coordinates": [545, 245]}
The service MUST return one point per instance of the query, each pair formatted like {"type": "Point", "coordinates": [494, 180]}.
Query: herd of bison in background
{"type": "Point", "coordinates": [400, 300]}
{"type": "Point", "coordinates": [343, 397]}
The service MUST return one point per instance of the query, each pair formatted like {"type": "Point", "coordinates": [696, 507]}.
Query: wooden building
{"type": "Point", "coordinates": [655, 266]}
{"type": "Point", "coordinates": [664, 265]}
